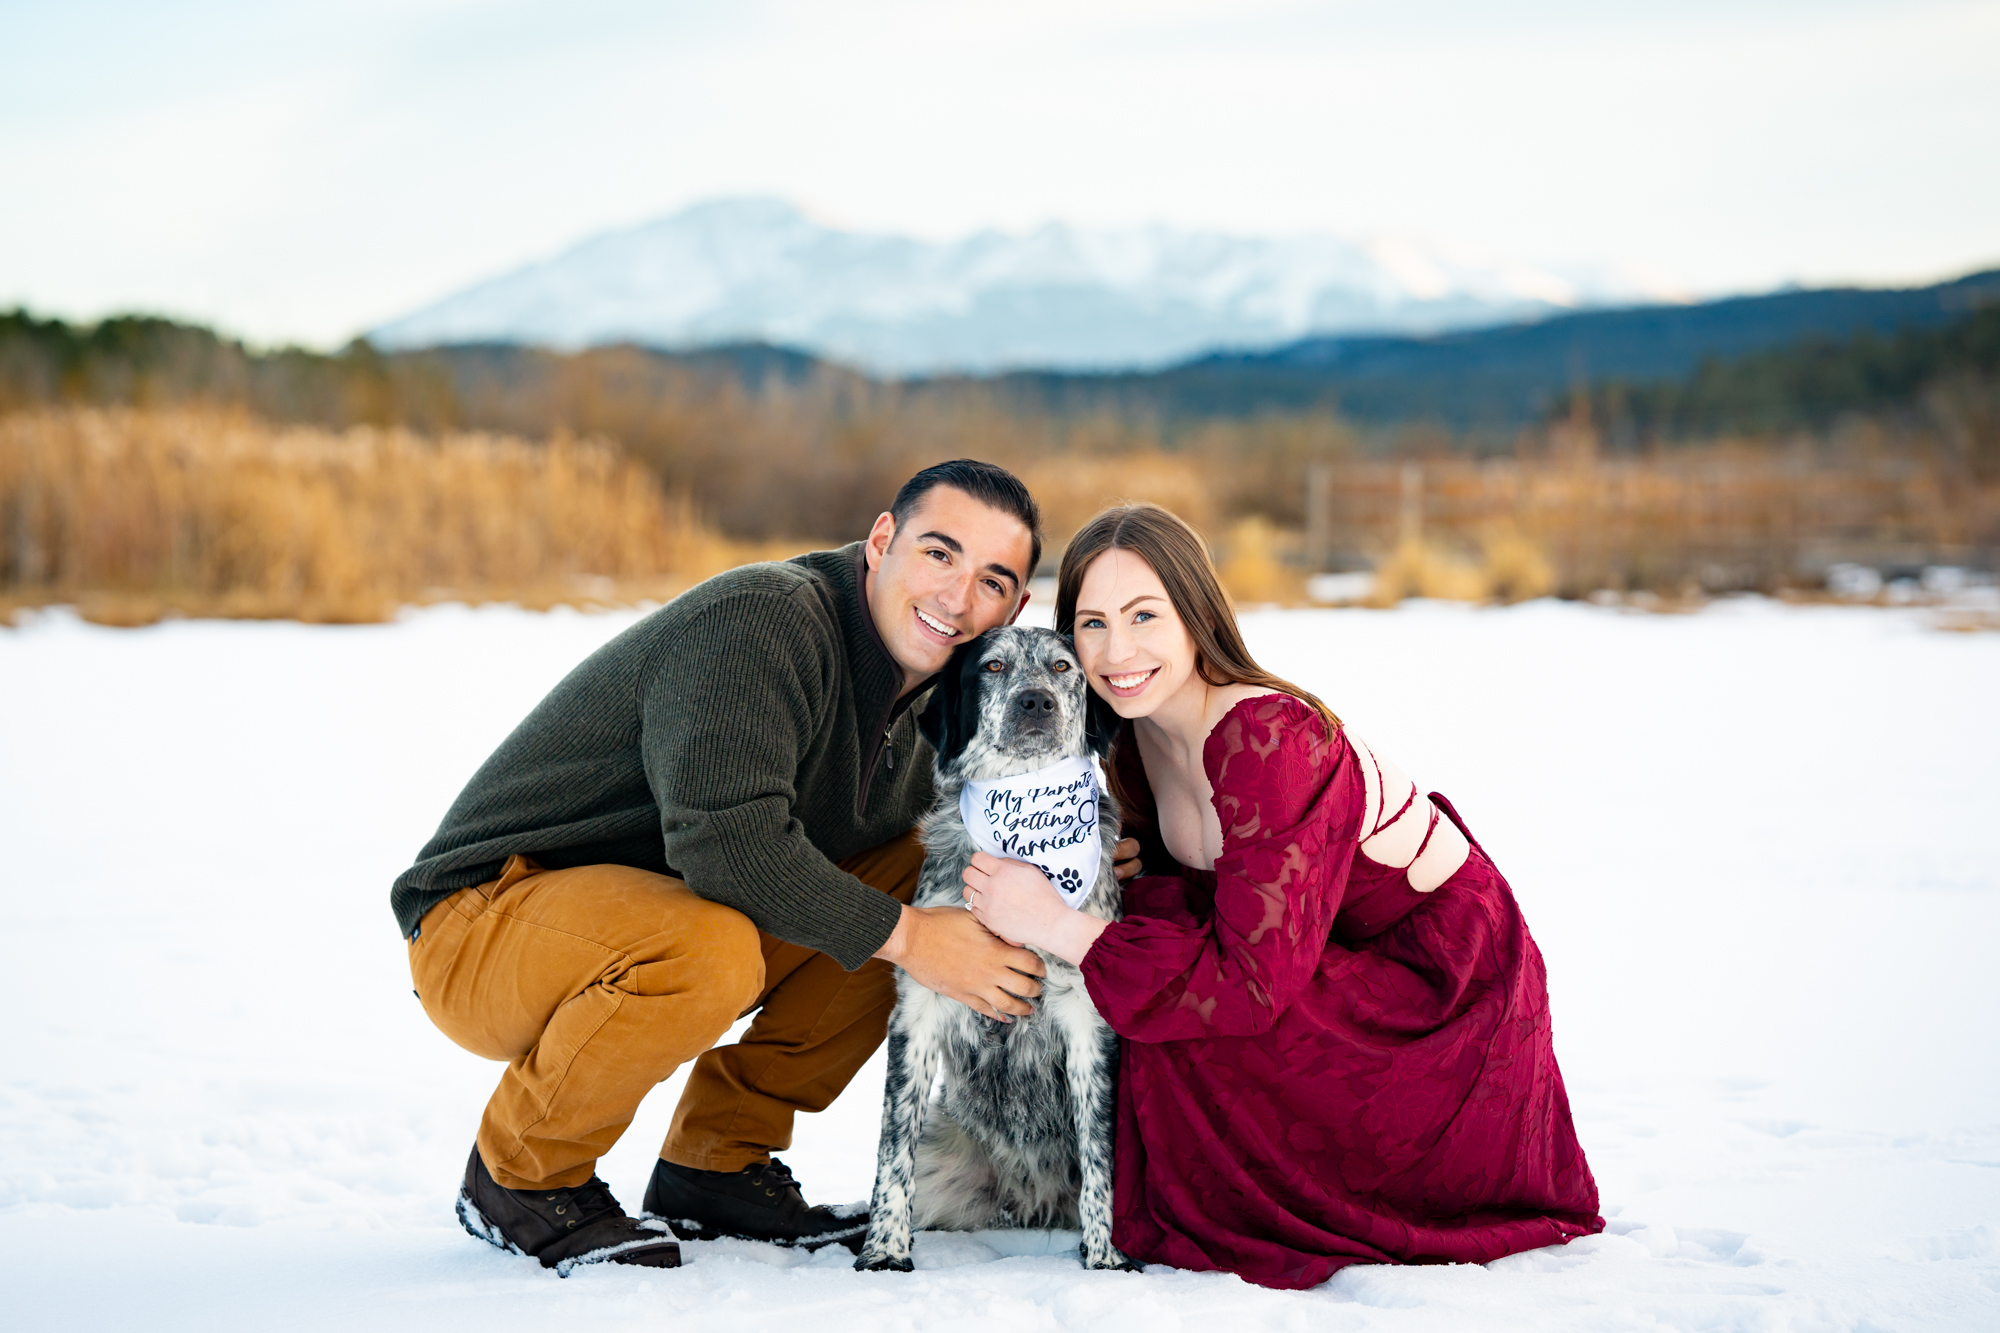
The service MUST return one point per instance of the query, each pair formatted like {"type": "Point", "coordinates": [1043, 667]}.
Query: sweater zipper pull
{"type": "Point", "coordinates": [889, 751]}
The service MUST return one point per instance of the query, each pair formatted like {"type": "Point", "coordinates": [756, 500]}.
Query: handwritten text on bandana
{"type": "Point", "coordinates": [1047, 818]}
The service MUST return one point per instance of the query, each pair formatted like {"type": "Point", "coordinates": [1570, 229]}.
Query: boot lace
{"type": "Point", "coordinates": [580, 1205]}
{"type": "Point", "coordinates": [777, 1178]}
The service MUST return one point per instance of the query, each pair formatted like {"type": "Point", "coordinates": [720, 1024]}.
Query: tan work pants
{"type": "Point", "coordinates": [596, 983]}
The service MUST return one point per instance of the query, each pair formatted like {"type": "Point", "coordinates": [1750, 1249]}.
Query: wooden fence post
{"type": "Point", "coordinates": [1319, 515]}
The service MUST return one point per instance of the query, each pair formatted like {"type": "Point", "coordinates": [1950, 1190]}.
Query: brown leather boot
{"type": "Point", "coordinates": [562, 1228]}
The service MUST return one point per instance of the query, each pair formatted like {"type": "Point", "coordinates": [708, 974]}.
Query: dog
{"type": "Point", "coordinates": [1021, 1136]}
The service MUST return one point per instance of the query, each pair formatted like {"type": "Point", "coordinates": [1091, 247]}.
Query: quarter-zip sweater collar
{"type": "Point", "coordinates": [877, 676]}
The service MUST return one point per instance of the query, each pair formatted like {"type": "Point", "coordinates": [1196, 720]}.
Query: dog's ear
{"type": "Point", "coordinates": [1100, 722]}
{"type": "Point", "coordinates": [935, 722]}
{"type": "Point", "coordinates": [952, 715]}
{"type": "Point", "coordinates": [1100, 719]}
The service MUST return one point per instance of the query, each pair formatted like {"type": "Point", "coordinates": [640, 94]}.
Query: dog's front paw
{"type": "Point", "coordinates": [882, 1263]}
{"type": "Point", "coordinates": [883, 1254]}
{"type": "Point", "coordinates": [1108, 1258]}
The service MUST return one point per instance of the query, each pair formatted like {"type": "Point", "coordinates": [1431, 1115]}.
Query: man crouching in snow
{"type": "Point", "coordinates": [712, 815]}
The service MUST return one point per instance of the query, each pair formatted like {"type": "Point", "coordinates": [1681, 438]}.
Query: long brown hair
{"type": "Point", "coordinates": [1180, 558]}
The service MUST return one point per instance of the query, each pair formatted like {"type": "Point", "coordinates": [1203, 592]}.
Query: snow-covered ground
{"type": "Point", "coordinates": [1755, 844]}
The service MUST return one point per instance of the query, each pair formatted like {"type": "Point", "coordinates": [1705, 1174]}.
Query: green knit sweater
{"type": "Point", "coordinates": [743, 737]}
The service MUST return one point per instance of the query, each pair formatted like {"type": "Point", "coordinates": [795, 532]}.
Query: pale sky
{"type": "Point", "coordinates": [302, 171]}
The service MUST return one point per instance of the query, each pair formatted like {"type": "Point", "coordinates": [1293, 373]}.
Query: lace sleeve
{"type": "Point", "coordinates": [1284, 799]}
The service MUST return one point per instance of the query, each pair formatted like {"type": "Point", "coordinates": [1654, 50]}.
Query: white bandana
{"type": "Point", "coordinates": [1047, 818]}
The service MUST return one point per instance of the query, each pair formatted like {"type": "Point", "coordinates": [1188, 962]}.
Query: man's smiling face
{"type": "Point", "coordinates": [955, 569]}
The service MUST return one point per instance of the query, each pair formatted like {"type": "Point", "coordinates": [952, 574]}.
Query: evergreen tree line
{"type": "Point", "coordinates": [146, 361]}
{"type": "Point", "coordinates": [1943, 382]}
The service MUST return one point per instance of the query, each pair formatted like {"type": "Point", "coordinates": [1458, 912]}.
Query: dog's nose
{"type": "Point", "coordinates": [1035, 703]}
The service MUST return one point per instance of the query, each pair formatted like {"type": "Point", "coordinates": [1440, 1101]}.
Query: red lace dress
{"type": "Point", "coordinates": [1321, 1065]}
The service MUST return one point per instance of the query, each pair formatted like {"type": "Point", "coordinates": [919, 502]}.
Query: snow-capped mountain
{"type": "Point", "coordinates": [1059, 297]}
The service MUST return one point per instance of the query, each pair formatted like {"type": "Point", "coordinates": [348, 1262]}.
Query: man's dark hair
{"type": "Point", "coordinates": [990, 484]}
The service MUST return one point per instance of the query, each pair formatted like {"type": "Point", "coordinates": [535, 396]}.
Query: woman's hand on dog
{"type": "Point", "coordinates": [947, 951]}
{"type": "Point", "coordinates": [1016, 901]}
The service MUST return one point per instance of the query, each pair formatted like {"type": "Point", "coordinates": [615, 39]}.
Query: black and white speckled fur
{"type": "Point", "coordinates": [1021, 1135]}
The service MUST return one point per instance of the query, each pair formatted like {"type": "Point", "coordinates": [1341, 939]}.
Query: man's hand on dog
{"type": "Point", "coordinates": [946, 950]}
{"type": "Point", "coordinates": [1125, 859]}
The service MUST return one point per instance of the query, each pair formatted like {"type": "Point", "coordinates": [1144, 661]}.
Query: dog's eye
{"type": "Point", "coordinates": [1059, 667]}
{"type": "Point", "coordinates": [996, 665]}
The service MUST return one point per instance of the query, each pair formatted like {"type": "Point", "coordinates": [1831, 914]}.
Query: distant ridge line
{"type": "Point", "coordinates": [1508, 374]}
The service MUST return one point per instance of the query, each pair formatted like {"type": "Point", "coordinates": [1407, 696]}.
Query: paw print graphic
{"type": "Point", "coordinates": [1069, 882]}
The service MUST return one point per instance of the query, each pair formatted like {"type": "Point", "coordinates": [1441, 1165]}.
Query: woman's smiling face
{"type": "Point", "coordinates": [1133, 646]}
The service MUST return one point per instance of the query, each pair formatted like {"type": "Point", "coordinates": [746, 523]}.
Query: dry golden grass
{"type": "Point", "coordinates": [1515, 568]}
{"type": "Point", "coordinates": [1253, 570]}
{"type": "Point", "coordinates": [1696, 520]}
{"type": "Point", "coordinates": [135, 514]}
{"type": "Point", "coordinates": [1427, 569]}
{"type": "Point", "coordinates": [1072, 488]}
{"type": "Point", "coordinates": [1502, 566]}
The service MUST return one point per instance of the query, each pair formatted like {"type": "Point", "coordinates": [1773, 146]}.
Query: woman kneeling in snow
{"type": "Point", "coordinates": [1336, 1025]}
